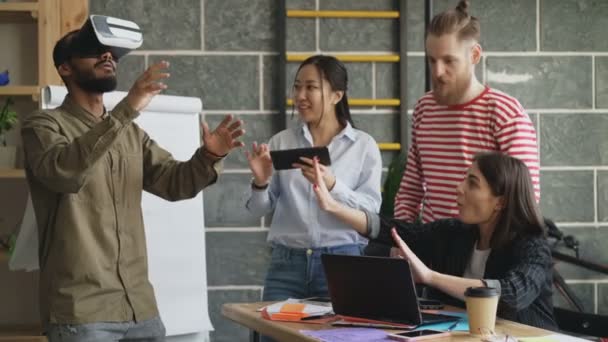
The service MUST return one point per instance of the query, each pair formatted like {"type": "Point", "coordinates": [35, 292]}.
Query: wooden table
{"type": "Point", "coordinates": [245, 314]}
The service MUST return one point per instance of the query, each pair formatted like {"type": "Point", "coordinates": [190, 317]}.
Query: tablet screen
{"type": "Point", "coordinates": [284, 159]}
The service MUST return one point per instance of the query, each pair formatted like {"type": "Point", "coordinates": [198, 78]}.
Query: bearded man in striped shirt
{"type": "Point", "coordinates": [458, 118]}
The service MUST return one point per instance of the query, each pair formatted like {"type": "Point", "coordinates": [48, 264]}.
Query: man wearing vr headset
{"type": "Point", "coordinates": [86, 169]}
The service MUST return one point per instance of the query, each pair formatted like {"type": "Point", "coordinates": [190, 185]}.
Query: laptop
{"type": "Point", "coordinates": [378, 289]}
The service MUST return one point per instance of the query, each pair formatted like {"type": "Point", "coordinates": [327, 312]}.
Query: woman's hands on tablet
{"type": "Point", "coordinates": [307, 166]}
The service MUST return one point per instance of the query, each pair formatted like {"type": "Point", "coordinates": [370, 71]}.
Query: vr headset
{"type": "Point", "coordinates": [98, 35]}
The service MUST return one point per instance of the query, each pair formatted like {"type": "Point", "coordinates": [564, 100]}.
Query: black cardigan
{"type": "Point", "coordinates": [522, 270]}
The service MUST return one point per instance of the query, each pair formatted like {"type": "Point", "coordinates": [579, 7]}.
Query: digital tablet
{"type": "Point", "coordinates": [284, 159]}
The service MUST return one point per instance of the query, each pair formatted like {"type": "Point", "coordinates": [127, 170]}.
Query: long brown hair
{"type": "Point", "coordinates": [456, 20]}
{"type": "Point", "coordinates": [509, 177]}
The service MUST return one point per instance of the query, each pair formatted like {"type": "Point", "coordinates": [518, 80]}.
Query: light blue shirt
{"type": "Point", "coordinates": [298, 222]}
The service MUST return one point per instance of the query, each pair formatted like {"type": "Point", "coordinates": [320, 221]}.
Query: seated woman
{"type": "Point", "coordinates": [497, 241]}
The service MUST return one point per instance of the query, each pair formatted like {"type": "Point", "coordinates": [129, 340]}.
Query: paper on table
{"type": "Point", "coordinates": [309, 309]}
{"type": "Point", "coordinates": [463, 323]}
{"type": "Point", "coordinates": [348, 335]}
{"type": "Point", "coordinates": [449, 313]}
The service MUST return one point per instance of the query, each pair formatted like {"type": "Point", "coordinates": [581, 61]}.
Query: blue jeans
{"type": "Point", "coordinates": [298, 273]}
{"type": "Point", "coordinates": [152, 330]}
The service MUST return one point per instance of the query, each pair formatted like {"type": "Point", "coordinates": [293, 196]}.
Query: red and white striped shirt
{"type": "Point", "coordinates": [444, 141]}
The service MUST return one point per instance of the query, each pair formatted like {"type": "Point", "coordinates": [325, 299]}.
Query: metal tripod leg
{"type": "Point", "coordinates": [566, 291]}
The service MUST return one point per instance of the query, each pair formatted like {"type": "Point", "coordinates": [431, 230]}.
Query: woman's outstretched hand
{"type": "Point", "coordinates": [422, 274]}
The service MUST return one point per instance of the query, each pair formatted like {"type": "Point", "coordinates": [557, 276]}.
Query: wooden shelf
{"type": "Point", "coordinates": [18, 6]}
{"type": "Point", "coordinates": [18, 12]}
{"type": "Point", "coordinates": [33, 91]}
{"type": "Point", "coordinates": [12, 173]}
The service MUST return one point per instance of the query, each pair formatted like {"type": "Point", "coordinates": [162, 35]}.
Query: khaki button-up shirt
{"type": "Point", "coordinates": [86, 177]}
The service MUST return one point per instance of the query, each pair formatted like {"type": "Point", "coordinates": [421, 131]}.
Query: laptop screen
{"type": "Point", "coordinates": [372, 287]}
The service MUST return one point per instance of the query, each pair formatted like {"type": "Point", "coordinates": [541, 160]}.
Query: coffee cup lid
{"type": "Point", "coordinates": [481, 292]}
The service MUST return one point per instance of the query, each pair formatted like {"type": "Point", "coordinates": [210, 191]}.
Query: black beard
{"type": "Point", "coordinates": [86, 80]}
{"type": "Point", "coordinates": [97, 85]}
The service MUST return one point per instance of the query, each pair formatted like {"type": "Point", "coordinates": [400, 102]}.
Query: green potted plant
{"type": "Point", "coordinates": [8, 119]}
{"type": "Point", "coordinates": [392, 182]}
